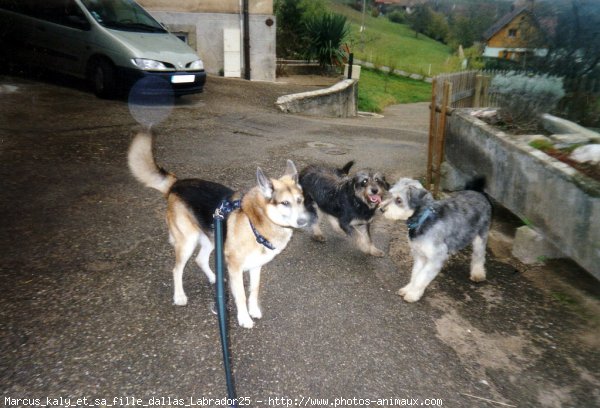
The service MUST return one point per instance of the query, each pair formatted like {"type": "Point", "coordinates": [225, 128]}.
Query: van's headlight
{"type": "Point", "coordinates": [149, 65]}
{"type": "Point", "coordinates": [195, 65]}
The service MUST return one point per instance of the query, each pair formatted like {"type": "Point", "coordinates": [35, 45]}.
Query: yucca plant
{"type": "Point", "coordinates": [326, 34]}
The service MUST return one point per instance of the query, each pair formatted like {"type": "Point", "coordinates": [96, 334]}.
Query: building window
{"type": "Point", "coordinates": [512, 33]}
{"type": "Point", "coordinates": [182, 36]}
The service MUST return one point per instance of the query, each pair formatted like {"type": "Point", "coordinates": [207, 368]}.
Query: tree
{"type": "Point", "coordinates": [463, 32]}
{"type": "Point", "coordinates": [292, 16]}
{"type": "Point", "coordinates": [438, 27]}
{"type": "Point", "coordinates": [420, 19]}
{"type": "Point", "coordinates": [574, 54]}
{"type": "Point", "coordinates": [574, 44]}
{"type": "Point", "coordinates": [468, 25]}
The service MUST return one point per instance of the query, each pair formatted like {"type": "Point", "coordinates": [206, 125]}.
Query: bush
{"type": "Point", "coordinates": [438, 27]}
{"type": "Point", "coordinates": [326, 34]}
{"type": "Point", "coordinates": [522, 97]}
{"type": "Point", "coordinates": [355, 4]}
{"type": "Point", "coordinates": [397, 17]}
{"type": "Point", "coordinates": [291, 25]}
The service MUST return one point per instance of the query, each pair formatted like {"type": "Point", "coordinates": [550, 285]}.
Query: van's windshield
{"type": "Point", "coordinates": [125, 15]}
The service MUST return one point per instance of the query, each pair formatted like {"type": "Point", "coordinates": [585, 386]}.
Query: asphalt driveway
{"type": "Point", "coordinates": [85, 272]}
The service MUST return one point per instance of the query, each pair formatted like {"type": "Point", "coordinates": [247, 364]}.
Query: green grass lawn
{"type": "Point", "coordinates": [376, 90]}
{"type": "Point", "coordinates": [390, 44]}
{"type": "Point", "coordinates": [393, 45]}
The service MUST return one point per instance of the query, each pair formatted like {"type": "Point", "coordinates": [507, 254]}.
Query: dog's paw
{"type": "Point", "coordinates": [402, 291]}
{"type": "Point", "coordinates": [376, 252]}
{"type": "Point", "coordinates": [318, 238]}
{"type": "Point", "coordinates": [477, 275]}
{"type": "Point", "coordinates": [255, 311]}
{"type": "Point", "coordinates": [411, 297]}
{"type": "Point", "coordinates": [477, 278]}
{"type": "Point", "coordinates": [245, 320]}
{"type": "Point", "coordinates": [180, 299]}
{"type": "Point", "coordinates": [211, 278]}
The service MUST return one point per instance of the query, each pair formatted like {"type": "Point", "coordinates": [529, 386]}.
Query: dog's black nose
{"type": "Point", "coordinates": [302, 222]}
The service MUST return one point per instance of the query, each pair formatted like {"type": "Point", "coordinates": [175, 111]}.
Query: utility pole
{"type": "Point", "coordinates": [362, 26]}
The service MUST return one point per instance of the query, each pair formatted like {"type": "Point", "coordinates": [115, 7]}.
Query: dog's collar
{"type": "Point", "coordinates": [227, 207]}
{"type": "Point", "coordinates": [259, 238]}
{"type": "Point", "coordinates": [423, 216]}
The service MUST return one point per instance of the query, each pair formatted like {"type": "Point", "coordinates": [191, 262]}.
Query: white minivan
{"type": "Point", "coordinates": [111, 43]}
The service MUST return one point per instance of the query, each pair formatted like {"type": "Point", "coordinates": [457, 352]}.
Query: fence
{"type": "Point", "coordinates": [450, 91]}
{"type": "Point", "coordinates": [471, 89]}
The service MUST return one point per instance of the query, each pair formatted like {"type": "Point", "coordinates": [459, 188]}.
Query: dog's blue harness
{"type": "Point", "coordinates": [415, 224]}
{"type": "Point", "coordinates": [227, 207]}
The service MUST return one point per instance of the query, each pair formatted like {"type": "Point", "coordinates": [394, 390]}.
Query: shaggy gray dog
{"type": "Point", "coordinates": [438, 229]}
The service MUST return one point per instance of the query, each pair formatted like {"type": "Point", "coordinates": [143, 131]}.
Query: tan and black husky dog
{"type": "Point", "coordinates": [255, 232]}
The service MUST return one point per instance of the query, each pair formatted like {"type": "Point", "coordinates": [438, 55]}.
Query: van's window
{"type": "Point", "coordinates": [124, 15]}
{"type": "Point", "coordinates": [64, 12]}
{"type": "Point", "coordinates": [19, 6]}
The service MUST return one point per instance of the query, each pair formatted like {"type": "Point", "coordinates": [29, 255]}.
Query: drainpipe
{"type": "Point", "coordinates": [246, 41]}
{"type": "Point", "coordinates": [241, 8]}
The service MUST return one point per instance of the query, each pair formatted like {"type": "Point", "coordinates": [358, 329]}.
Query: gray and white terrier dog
{"type": "Point", "coordinates": [438, 229]}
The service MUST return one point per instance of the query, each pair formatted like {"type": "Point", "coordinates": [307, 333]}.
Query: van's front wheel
{"type": "Point", "coordinates": [102, 78]}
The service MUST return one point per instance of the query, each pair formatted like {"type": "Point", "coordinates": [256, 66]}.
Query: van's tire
{"type": "Point", "coordinates": [102, 78]}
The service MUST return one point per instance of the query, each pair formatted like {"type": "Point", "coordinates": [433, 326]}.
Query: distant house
{"type": "Point", "coordinates": [515, 36]}
{"type": "Point", "coordinates": [406, 5]}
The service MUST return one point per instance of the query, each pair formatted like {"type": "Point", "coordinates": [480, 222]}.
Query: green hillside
{"type": "Point", "coordinates": [391, 44]}
{"type": "Point", "coordinates": [377, 90]}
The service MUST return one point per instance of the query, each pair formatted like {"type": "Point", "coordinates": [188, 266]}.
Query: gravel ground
{"type": "Point", "coordinates": [86, 308]}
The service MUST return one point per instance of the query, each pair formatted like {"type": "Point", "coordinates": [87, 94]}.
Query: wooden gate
{"type": "Point", "coordinates": [450, 91]}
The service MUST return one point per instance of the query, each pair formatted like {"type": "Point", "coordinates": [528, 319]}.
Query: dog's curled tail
{"type": "Point", "coordinates": [143, 167]}
{"type": "Point", "coordinates": [476, 184]}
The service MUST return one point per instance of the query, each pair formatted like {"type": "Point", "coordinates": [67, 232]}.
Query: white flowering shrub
{"type": "Point", "coordinates": [523, 97]}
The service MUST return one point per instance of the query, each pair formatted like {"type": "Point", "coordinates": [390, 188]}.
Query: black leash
{"type": "Point", "coordinates": [220, 214]}
{"type": "Point", "coordinates": [226, 208]}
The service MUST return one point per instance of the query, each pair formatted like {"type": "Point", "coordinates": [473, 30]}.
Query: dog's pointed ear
{"type": "Point", "coordinates": [385, 183]}
{"type": "Point", "coordinates": [290, 170]}
{"type": "Point", "coordinates": [416, 196]}
{"type": "Point", "coordinates": [265, 184]}
{"type": "Point", "coordinates": [347, 167]}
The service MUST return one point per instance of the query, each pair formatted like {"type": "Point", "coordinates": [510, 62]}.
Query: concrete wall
{"type": "Point", "coordinates": [207, 32]}
{"type": "Point", "coordinates": [562, 204]}
{"type": "Point", "coordinates": [339, 100]}
{"type": "Point", "coordinates": [208, 6]}
{"type": "Point", "coordinates": [204, 22]}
